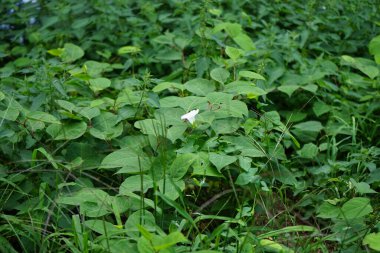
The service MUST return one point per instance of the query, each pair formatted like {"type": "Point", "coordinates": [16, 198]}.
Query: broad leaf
{"type": "Point", "coordinates": [67, 131]}
{"type": "Point", "coordinates": [220, 160]}
{"type": "Point", "coordinates": [220, 75]}
{"type": "Point", "coordinates": [356, 208]}
{"type": "Point", "coordinates": [200, 87]}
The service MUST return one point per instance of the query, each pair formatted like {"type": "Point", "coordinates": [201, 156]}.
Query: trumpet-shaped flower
{"type": "Point", "coordinates": [190, 116]}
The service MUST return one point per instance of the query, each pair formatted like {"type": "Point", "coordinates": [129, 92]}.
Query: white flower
{"type": "Point", "coordinates": [190, 116]}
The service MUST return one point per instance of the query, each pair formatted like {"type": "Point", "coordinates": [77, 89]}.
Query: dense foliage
{"type": "Point", "coordinates": [282, 157]}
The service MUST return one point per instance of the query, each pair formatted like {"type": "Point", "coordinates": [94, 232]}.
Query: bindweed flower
{"type": "Point", "coordinates": [190, 116]}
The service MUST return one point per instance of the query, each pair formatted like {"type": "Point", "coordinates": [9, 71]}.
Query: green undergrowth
{"type": "Point", "coordinates": [282, 155]}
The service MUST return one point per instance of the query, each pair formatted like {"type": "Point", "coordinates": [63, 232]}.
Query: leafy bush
{"type": "Point", "coordinates": [280, 152]}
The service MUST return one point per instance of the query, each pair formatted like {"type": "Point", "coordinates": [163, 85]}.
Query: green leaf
{"type": "Point", "coordinates": [99, 84]}
{"type": "Point", "coordinates": [232, 29]}
{"type": "Point", "coordinates": [169, 55]}
{"type": "Point", "coordinates": [66, 105]}
{"type": "Point", "coordinates": [273, 246]}
{"type": "Point", "coordinates": [366, 66]}
{"type": "Point", "coordinates": [187, 103]}
{"type": "Point", "coordinates": [245, 88]}
{"type": "Point", "coordinates": [10, 113]}
{"type": "Point", "coordinates": [168, 240]}
{"type": "Point", "coordinates": [177, 207]}
{"type": "Point", "coordinates": [244, 41]}
{"type": "Point", "coordinates": [246, 145]}
{"type": "Point", "coordinates": [180, 166]}
{"type": "Point", "coordinates": [374, 48]}
{"type": "Point", "coordinates": [285, 230]}
{"type": "Point", "coordinates": [233, 108]}
{"type": "Point", "coordinates": [144, 245]}
{"type": "Point", "coordinates": [172, 189]}
{"type": "Point", "coordinates": [362, 187]}
{"type": "Point", "coordinates": [310, 87]}
{"type": "Point", "coordinates": [93, 202]}
{"type": "Point", "coordinates": [167, 85]}
{"type": "Point", "coordinates": [373, 241]}
{"type": "Point", "coordinates": [225, 126]}
{"type": "Point", "coordinates": [56, 52]}
{"type": "Point", "coordinates": [176, 132]}
{"type": "Point", "coordinates": [199, 86]}
{"type": "Point", "coordinates": [133, 184]}
{"type": "Point", "coordinates": [151, 126]}
{"type": "Point", "coordinates": [104, 126]}
{"type": "Point", "coordinates": [308, 151]}
{"type": "Point", "coordinates": [234, 53]}
{"type": "Point", "coordinates": [307, 131]}
{"type": "Point", "coordinates": [288, 89]}
{"type": "Point", "coordinates": [170, 116]}
{"type": "Point", "coordinates": [328, 211]}
{"type": "Point", "coordinates": [88, 112]}
{"type": "Point", "coordinates": [103, 227]}
{"type": "Point", "coordinates": [126, 158]}
{"type": "Point", "coordinates": [46, 154]}
{"type": "Point", "coordinates": [219, 97]}
{"type": "Point", "coordinates": [43, 117]}
{"type": "Point", "coordinates": [202, 166]}
{"type": "Point", "coordinates": [139, 218]}
{"type": "Point", "coordinates": [220, 75]}
{"type": "Point", "coordinates": [251, 75]}
{"type": "Point", "coordinates": [2, 95]}
{"type": "Point", "coordinates": [6, 246]}
{"type": "Point", "coordinates": [85, 195]}
{"type": "Point", "coordinates": [68, 131]}
{"type": "Point", "coordinates": [320, 108]}
{"type": "Point", "coordinates": [94, 68]}
{"type": "Point", "coordinates": [71, 53]}
{"type": "Point", "coordinates": [128, 50]}
{"type": "Point", "coordinates": [356, 208]}
{"type": "Point", "coordinates": [220, 160]}
{"type": "Point", "coordinates": [248, 177]}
